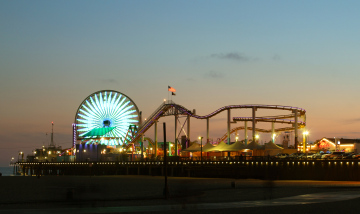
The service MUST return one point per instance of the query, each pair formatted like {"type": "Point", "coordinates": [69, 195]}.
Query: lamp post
{"type": "Point", "coordinates": [273, 137]}
{"type": "Point", "coordinates": [22, 156]}
{"type": "Point", "coordinates": [257, 137]}
{"type": "Point", "coordinates": [200, 138]}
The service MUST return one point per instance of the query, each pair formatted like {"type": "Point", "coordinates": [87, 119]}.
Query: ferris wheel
{"type": "Point", "coordinates": [105, 116]}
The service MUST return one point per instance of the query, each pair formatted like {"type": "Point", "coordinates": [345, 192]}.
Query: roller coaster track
{"type": "Point", "coordinates": [269, 119]}
{"type": "Point", "coordinates": [150, 141]}
{"type": "Point", "coordinates": [224, 137]}
{"type": "Point", "coordinates": [171, 108]}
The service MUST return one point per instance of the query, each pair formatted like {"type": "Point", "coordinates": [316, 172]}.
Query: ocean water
{"type": "Point", "coordinates": [7, 171]}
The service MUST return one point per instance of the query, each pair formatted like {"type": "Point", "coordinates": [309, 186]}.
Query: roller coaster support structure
{"type": "Point", "coordinates": [156, 138]}
{"type": "Point", "coordinates": [176, 140]}
{"type": "Point", "coordinates": [253, 123]}
{"type": "Point", "coordinates": [207, 130]}
{"type": "Point", "coordinates": [273, 132]}
{"type": "Point", "coordinates": [296, 129]}
{"type": "Point", "coordinates": [228, 126]}
{"type": "Point", "coordinates": [246, 133]}
{"type": "Point", "coordinates": [188, 131]}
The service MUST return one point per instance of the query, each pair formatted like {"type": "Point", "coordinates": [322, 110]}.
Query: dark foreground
{"type": "Point", "coordinates": [144, 194]}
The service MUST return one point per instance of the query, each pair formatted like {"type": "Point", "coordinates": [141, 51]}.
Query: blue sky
{"type": "Point", "coordinates": [53, 54]}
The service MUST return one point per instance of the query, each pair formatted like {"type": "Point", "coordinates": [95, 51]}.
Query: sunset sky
{"type": "Point", "coordinates": [53, 54]}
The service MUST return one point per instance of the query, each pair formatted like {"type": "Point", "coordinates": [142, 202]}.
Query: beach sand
{"type": "Point", "coordinates": [50, 192]}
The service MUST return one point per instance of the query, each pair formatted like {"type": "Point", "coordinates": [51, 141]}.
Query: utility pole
{"type": "Point", "coordinates": [166, 188]}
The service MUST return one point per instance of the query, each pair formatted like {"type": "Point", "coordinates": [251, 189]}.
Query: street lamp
{"type": "Point", "coordinates": [273, 137]}
{"type": "Point", "coordinates": [22, 156]}
{"type": "Point", "coordinates": [257, 137]}
{"type": "Point", "coordinates": [200, 138]}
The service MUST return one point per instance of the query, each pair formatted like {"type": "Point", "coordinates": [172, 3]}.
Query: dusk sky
{"type": "Point", "coordinates": [53, 54]}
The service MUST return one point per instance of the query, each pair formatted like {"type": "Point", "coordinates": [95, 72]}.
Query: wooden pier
{"type": "Point", "coordinates": [279, 169]}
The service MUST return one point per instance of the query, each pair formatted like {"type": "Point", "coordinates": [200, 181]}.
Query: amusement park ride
{"type": "Point", "coordinates": [112, 118]}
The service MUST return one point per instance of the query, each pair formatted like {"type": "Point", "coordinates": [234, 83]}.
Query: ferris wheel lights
{"type": "Point", "coordinates": [106, 110]}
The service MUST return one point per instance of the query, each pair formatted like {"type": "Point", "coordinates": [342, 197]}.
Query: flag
{"type": "Point", "coordinates": [171, 89]}
{"type": "Point", "coordinates": [172, 93]}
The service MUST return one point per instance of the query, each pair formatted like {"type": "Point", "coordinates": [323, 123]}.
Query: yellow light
{"type": "Point", "coordinates": [257, 136]}
{"type": "Point", "coordinates": [84, 150]}
{"type": "Point", "coordinates": [305, 133]}
{"type": "Point", "coordinates": [49, 152]}
{"type": "Point", "coordinates": [164, 100]}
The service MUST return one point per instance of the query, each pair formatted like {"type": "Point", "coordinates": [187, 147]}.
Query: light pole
{"type": "Point", "coordinates": [257, 137]}
{"type": "Point", "coordinates": [200, 138]}
{"type": "Point", "coordinates": [273, 137]}
{"type": "Point", "coordinates": [22, 156]}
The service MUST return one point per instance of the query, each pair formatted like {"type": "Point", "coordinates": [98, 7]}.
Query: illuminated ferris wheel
{"type": "Point", "coordinates": [105, 116]}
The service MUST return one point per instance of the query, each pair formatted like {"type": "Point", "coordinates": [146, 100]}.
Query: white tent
{"type": "Point", "coordinates": [195, 147]}
{"type": "Point", "coordinates": [237, 146]}
{"type": "Point", "coordinates": [207, 147]}
{"type": "Point", "coordinates": [272, 145]}
{"type": "Point", "coordinates": [253, 145]}
{"type": "Point", "coordinates": [219, 148]}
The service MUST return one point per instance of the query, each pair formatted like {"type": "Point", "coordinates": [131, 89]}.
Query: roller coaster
{"type": "Point", "coordinates": [169, 108]}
